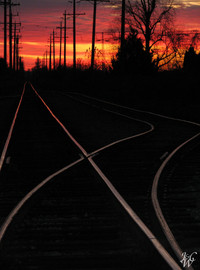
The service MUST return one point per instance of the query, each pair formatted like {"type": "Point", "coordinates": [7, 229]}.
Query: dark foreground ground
{"type": "Point", "coordinates": [173, 93]}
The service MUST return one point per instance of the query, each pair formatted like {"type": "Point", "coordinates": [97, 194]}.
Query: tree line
{"type": "Point", "coordinates": [152, 42]}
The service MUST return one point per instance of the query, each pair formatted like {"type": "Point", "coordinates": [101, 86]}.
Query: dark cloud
{"type": "Point", "coordinates": [43, 4]}
{"type": "Point", "coordinates": [188, 17]}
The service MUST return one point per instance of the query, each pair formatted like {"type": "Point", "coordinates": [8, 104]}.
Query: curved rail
{"type": "Point", "coordinates": [156, 205]}
{"type": "Point", "coordinates": [137, 110]}
{"type": "Point", "coordinates": [163, 252]}
{"type": "Point", "coordinates": [16, 209]}
{"type": "Point", "coordinates": [123, 139]}
{"type": "Point", "coordinates": [154, 197]}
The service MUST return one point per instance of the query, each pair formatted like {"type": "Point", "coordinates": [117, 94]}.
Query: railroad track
{"type": "Point", "coordinates": [165, 196]}
{"type": "Point", "coordinates": [86, 228]}
{"type": "Point", "coordinates": [8, 104]}
{"type": "Point", "coordinates": [179, 192]}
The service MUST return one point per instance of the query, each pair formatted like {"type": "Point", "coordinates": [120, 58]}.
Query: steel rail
{"type": "Point", "coordinates": [154, 197]}
{"type": "Point", "coordinates": [3, 154]}
{"type": "Point", "coordinates": [16, 209]}
{"type": "Point", "coordinates": [106, 110]}
{"type": "Point", "coordinates": [63, 127]}
{"type": "Point", "coordinates": [123, 139]}
{"type": "Point", "coordinates": [161, 250]}
{"type": "Point", "coordinates": [169, 235]}
{"type": "Point", "coordinates": [137, 110]}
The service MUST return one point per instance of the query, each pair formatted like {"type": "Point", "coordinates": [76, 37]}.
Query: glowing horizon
{"type": "Point", "coordinates": [81, 53]}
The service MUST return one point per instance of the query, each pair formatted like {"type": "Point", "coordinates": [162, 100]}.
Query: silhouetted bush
{"type": "Point", "coordinates": [134, 59]}
{"type": "Point", "coordinates": [3, 65]}
{"type": "Point", "coordinates": [191, 61]}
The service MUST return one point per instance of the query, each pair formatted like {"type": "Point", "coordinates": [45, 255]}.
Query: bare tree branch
{"type": "Point", "coordinates": [152, 18]}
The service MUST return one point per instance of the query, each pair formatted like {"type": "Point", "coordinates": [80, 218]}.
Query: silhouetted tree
{"type": "Point", "coordinates": [195, 40]}
{"type": "Point", "coordinates": [98, 55]}
{"type": "Point", "coordinates": [191, 61]}
{"type": "Point", "coordinates": [154, 20]}
{"type": "Point", "coordinates": [135, 59]}
{"type": "Point", "coordinates": [21, 64]}
{"type": "Point", "coordinates": [3, 65]}
{"type": "Point", "coordinates": [38, 64]}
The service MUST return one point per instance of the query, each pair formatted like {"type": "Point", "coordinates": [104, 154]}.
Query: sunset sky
{"type": "Point", "coordinates": [40, 17]}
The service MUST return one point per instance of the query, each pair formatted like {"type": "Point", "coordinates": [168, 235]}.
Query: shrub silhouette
{"type": "Point", "coordinates": [135, 59]}
{"type": "Point", "coordinates": [191, 61]}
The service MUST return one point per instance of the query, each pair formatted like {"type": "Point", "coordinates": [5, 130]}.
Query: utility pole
{"type": "Point", "coordinates": [65, 37]}
{"type": "Point", "coordinates": [94, 29]}
{"type": "Point", "coordinates": [11, 30]}
{"type": "Point", "coordinates": [5, 4]}
{"type": "Point", "coordinates": [46, 55]}
{"type": "Point", "coordinates": [74, 34]}
{"type": "Point", "coordinates": [74, 14]}
{"type": "Point", "coordinates": [14, 49]}
{"type": "Point", "coordinates": [103, 40]}
{"type": "Point", "coordinates": [60, 54]}
{"type": "Point", "coordinates": [54, 58]}
{"type": "Point", "coordinates": [102, 48]}
{"type": "Point", "coordinates": [17, 52]}
{"type": "Point", "coordinates": [5, 31]}
{"type": "Point", "coordinates": [122, 30]}
{"type": "Point", "coordinates": [50, 54]}
{"type": "Point", "coordinates": [93, 34]}
{"type": "Point", "coordinates": [60, 58]}
{"type": "Point", "coordinates": [10, 33]}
